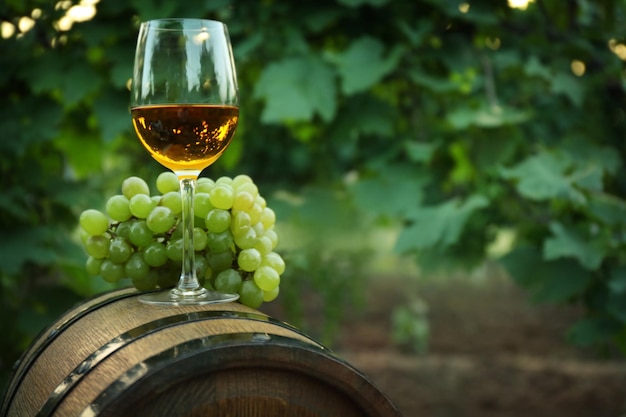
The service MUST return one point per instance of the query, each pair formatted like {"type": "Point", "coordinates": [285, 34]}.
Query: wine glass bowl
{"type": "Point", "coordinates": [185, 110]}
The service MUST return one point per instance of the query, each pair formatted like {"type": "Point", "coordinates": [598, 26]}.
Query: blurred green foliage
{"type": "Point", "coordinates": [456, 122]}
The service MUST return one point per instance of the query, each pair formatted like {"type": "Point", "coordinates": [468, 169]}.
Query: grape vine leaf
{"type": "Point", "coordinates": [569, 86]}
{"type": "Point", "coordinates": [393, 193]}
{"type": "Point", "coordinates": [617, 279]}
{"type": "Point", "coordinates": [485, 116]}
{"type": "Point", "coordinates": [569, 243]}
{"type": "Point", "coordinates": [363, 64]}
{"type": "Point", "coordinates": [616, 304]}
{"type": "Point", "coordinates": [534, 67]}
{"type": "Point", "coordinates": [553, 281]}
{"type": "Point", "coordinates": [296, 89]}
{"type": "Point", "coordinates": [544, 176]}
{"type": "Point", "coordinates": [421, 151]}
{"type": "Point", "coordinates": [12, 253]}
{"type": "Point", "coordinates": [111, 109]}
{"type": "Point", "coordinates": [593, 330]}
{"type": "Point", "coordinates": [607, 208]}
{"type": "Point", "coordinates": [439, 225]}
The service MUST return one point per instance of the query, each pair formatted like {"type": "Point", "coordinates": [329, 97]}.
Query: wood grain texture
{"type": "Point", "coordinates": [113, 356]}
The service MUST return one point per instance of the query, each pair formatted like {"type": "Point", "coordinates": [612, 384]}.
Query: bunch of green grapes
{"type": "Point", "coordinates": [140, 237]}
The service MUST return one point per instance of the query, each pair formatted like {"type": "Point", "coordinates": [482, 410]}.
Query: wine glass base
{"type": "Point", "coordinates": [176, 297]}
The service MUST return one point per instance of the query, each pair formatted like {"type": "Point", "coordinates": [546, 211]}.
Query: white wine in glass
{"type": "Point", "coordinates": [185, 110]}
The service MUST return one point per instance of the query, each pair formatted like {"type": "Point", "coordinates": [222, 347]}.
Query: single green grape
{"type": "Point", "coordinates": [268, 217]}
{"type": "Point", "coordinates": [92, 265]}
{"type": "Point", "coordinates": [97, 246]}
{"type": "Point", "coordinates": [222, 196]}
{"type": "Point", "coordinates": [255, 213]}
{"type": "Point", "coordinates": [134, 185]}
{"type": "Point", "coordinates": [240, 222]}
{"type": "Point", "coordinates": [249, 259]}
{"type": "Point", "coordinates": [204, 185]}
{"type": "Point", "coordinates": [154, 254]}
{"type": "Point", "coordinates": [266, 278]}
{"type": "Point", "coordinates": [219, 242]}
{"type": "Point", "coordinates": [173, 200]}
{"type": "Point", "coordinates": [271, 295]}
{"type": "Point", "coordinates": [200, 265]}
{"type": "Point", "coordinates": [260, 201]}
{"type": "Point", "coordinates": [94, 222]}
{"type": "Point", "coordinates": [166, 182]}
{"type": "Point", "coordinates": [246, 240]}
{"type": "Point", "coordinates": [263, 244]}
{"type": "Point", "coordinates": [219, 261]}
{"type": "Point", "coordinates": [250, 294]}
{"type": "Point", "coordinates": [118, 209]}
{"type": "Point", "coordinates": [218, 220]}
{"type": "Point", "coordinates": [275, 261]}
{"type": "Point", "coordinates": [273, 236]}
{"type": "Point", "coordinates": [202, 204]}
{"type": "Point", "coordinates": [140, 234]}
{"type": "Point", "coordinates": [161, 219]}
{"type": "Point", "coordinates": [136, 267]}
{"type": "Point", "coordinates": [241, 179]}
{"type": "Point", "coordinates": [112, 272]}
{"type": "Point", "coordinates": [141, 205]}
{"type": "Point", "coordinates": [174, 249]}
{"type": "Point", "coordinates": [224, 180]}
{"type": "Point", "coordinates": [243, 201]}
{"type": "Point", "coordinates": [147, 282]}
{"type": "Point", "coordinates": [228, 281]}
{"type": "Point", "coordinates": [119, 250]}
{"type": "Point", "coordinates": [249, 187]}
{"type": "Point", "coordinates": [200, 239]}
{"type": "Point", "coordinates": [123, 228]}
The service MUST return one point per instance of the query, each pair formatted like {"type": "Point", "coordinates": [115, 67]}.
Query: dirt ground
{"type": "Point", "coordinates": [491, 352]}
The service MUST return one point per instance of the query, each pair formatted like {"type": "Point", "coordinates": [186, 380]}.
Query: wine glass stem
{"type": "Point", "coordinates": [188, 279]}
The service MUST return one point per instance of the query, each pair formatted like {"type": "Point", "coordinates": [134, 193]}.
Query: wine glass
{"type": "Point", "coordinates": [185, 109]}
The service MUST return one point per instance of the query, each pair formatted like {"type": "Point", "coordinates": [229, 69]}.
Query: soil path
{"type": "Point", "coordinates": [491, 352]}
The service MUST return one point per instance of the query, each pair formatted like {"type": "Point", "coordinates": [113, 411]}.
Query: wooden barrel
{"type": "Point", "coordinates": [113, 356]}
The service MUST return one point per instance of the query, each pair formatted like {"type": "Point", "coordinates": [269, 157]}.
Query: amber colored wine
{"type": "Point", "coordinates": [185, 137]}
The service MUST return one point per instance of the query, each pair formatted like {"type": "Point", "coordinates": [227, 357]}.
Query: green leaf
{"type": "Point", "coordinates": [364, 115]}
{"type": "Point", "coordinates": [616, 305]}
{"type": "Point", "coordinates": [393, 193]}
{"type": "Point", "coordinates": [569, 243]}
{"type": "Point", "coordinates": [617, 279]}
{"type": "Point", "coordinates": [12, 253]}
{"type": "Point", "coordinates": [585, 153]}
{"type": "Point", "coordinates": [363, 64]}
{"type": "Point", "coordinates": [548, 281]}
{"type": "Point", "coordinates": [543, 177]}
{"type": "Point", "coordinates": [535, 68]}
{"type": "Point", "coordinates": [421, 151]}
{"type": "Point", "coordinates": [607, 208]}
{"type": "Point", "coordinates": [296, 89]}
{"type": "Point", "coordinates": [430, 82]}
{"type": "Point", "coordinates": [485, 117]}
{"type": "Point", "coordinates": [568, 85]}
{"type": "Point", "coordinates": [593, 330]}
{"type": "Point", "coordinates": [418, 32]}
{"type": "Point", "coordinates": [437, 226]}
{"type": "Point", "coordinates": [111, 109]}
